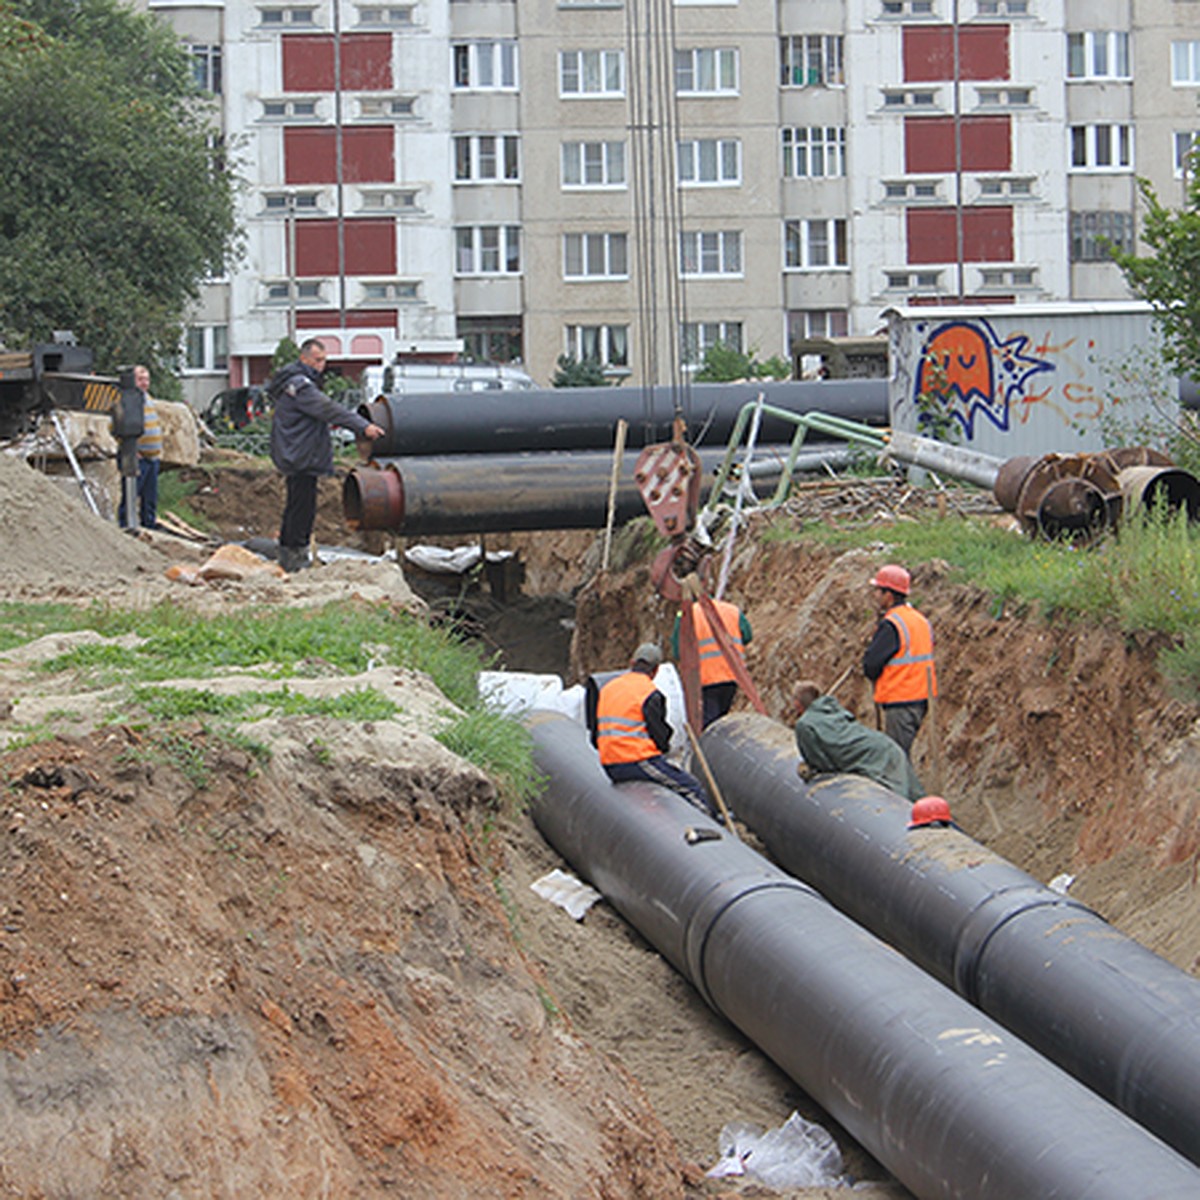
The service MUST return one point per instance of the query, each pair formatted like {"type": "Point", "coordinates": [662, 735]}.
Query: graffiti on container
{"type": "Point", "coordinates": [967, 371]}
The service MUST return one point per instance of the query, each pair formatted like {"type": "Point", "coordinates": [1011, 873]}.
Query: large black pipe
{"type": "Point", "coordinates": [504, 422]}
{"type": "Point", "coordinates": [435, 496]}
{"type": "Point", "coordinates": [948, 1101]}
{"type": "Point", "coordinates": [1116, 1016]}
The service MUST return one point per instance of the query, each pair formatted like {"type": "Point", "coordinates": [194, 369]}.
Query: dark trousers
{"type": "Point", "coordinates": [666, 774]}
{"type": "Point", "coordinates": [716, 699]}
{"type": "Point", "coordinates": [147, 490]}
{"type": "Point", "coordinates": [901, 722]}
{"type": "Point", "coordinates": [299, 512]}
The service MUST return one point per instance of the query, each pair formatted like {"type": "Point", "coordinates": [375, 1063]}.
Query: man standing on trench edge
{"type": "Point", "coordinates": [301, 447]}
{"type": "Point", "coordinates": [632, 733]}
{"type": "Point", "coordinates": [900, 658]}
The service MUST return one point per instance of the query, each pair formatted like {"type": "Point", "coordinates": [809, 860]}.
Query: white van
{"type": "Point", "coordinates": [421, 378]}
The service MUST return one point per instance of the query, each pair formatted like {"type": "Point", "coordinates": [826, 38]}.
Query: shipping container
{"type": "Point", "coordinates": [1010, 380]}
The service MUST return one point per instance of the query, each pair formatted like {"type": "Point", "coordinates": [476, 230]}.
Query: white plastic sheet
{"type": "Point", "coordinates": [570, 894]}
{"type": "Point", "coordinates": [797, 1154]}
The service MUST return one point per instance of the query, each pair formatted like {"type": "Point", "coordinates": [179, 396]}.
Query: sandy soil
{"type": "Point", "coordinates": [334, 967]}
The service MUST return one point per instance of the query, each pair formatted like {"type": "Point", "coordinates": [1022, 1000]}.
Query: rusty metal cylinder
{"type": "Point", "coordinates": [1151, 487]}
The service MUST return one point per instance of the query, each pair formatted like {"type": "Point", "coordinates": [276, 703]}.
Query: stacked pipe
{"type": "Point", "coordinates": [1056, 495]}
{"type": "Point", "coordinates": [495, 461]}
{"type": "Point", "coordinates": [953, 1105]}
{"type": "Point", "coordinates": [1116, 1016]}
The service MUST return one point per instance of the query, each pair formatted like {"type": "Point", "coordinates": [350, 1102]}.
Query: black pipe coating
{"type": "Point", "coordinates": [952, 1104]}
{"type": "Point", "coordinates": [1112, 1013]}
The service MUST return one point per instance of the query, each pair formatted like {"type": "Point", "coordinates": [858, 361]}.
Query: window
{"type": "Point", "coordinates": [1009, 188]}
{"type": "Point", "coordinates": [1101, 147]}
{"type": "Point", "coordinates": [289, 110]}
{"type": "Point", "coordinates": [1094, 234]}
{"type": "Point", "coordinates": [812, 60]}
{"type": "Point", "coordinates": [486, 66]}
{"type": "Point", "coordinates": [706, 71]}
{"type": "Point", "coordinates": [595, 256]}
{"type": "Point", "coordinates": [491, 339]}
{"type": "Point", "coordinates": [388, 107]}
{"type": "Point", "coordinates": [814, 152]}
{"type": "Point", "coordinates": [390, 291]}
{"type": "Point", "coordinates": [1098, 55]}
{"type": "Point", "coordinates": [1185, 63]}
{"type": "Point", "coordinates": [817, 323]}
{"type": "Point", "coordinates": [487, 158]}
{"type": "Point", "coordinates": [1004, 97]}
{"type": "Point", "coordinates": [1185, 145]}
{"type": "Point", "coordinates": [206, 348]}
{"type": "Point", "coordinates": [487, 250]}
{"type": "Point", "coordinates": [1006, 279]}
{"type": "Point", "coordinates": [910, 97]}
{"type": "Point", "coordinates": [698, 337]}
{"type": "Point", "coordinates": [388, 198]}
{"type": "Point", "coordinates": [591, 73]}
{"type": "Point", "coordinates": [810, 244]}
{"type": "Point", "coordinates": [206, 68]}
{"type": "Point", "coordinates": [306, 291]}
{"type": "Point", "coordinates": [282, 202]}
{"type": "Point", "coordinates": [710, 161]}
{"type": "Point", "coordinates": [715, 253]}
{"type": "Point", "coordinates": [914, 281]}
{"type": "Point", "coordinates": [287, 16]}
{"type": "Point", "coordinates": [1002, 8]}
{"type": "Point", "coordinates": [911, 189]}
{"type": "Point", "coordinates": [907, 8]}
{"type": "Point", "coordinates": [607, 345]}
{"type": "Point", "coordinates": [389, 18]}
{"type": "Point", "coordinates": [593, 164]}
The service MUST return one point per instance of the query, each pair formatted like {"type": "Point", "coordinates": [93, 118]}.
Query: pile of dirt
{"type": "Point", "coordinates": [329, 974]}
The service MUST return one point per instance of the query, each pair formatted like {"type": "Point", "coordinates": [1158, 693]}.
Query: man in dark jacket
{"type": "Point", "coordinates": [832, 742]}
{"type": "Point", "coordinates": [301, 447]}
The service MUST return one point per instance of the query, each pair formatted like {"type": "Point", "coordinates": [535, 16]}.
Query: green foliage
{"type": "Point", "coordinates": [1169, 276]}
{"type": "Point", "coordinates": [573, 373]}
{"type": "Point", "coordinates": [722, 364]}
{"type": "Point", "coordinates": [171, 704]}
{"type": "Point", "coordinates": [173, 493]}
{"type": "Point", "coordinates": [934, 404]}
{"type": "Point", "coordinates": [498, 745]}
{"type": "Point", "coordinates": [285, 352]}
{"type": "Point", "coordinates": [113, 204]}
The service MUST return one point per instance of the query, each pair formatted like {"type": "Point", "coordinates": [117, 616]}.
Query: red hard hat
{"type": "Point", "coordinates": [894, 578]}
{"type": "Point", "coordinates": [930, 810]}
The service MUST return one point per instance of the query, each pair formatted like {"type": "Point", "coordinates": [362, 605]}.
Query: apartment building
{"type": "Point", "coordinates": [632, 182]}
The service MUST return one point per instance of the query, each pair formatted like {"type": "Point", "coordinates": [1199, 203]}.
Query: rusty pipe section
{"type": "Point", "coordinates": [509, 422]}
{"type": "Point", "coordinates": [433, 496]}
{"type": "Point", "coordinates": [953, 1105]}
{"type": "Point", "coordinates": [1062, 495]}
{"type": "Point", "coordinates": [1116, 1016]}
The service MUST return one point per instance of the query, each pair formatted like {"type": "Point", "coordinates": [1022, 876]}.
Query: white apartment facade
{"type": "Point", "coordinates": [520, 179]}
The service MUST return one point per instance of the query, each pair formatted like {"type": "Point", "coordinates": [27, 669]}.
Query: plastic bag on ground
{"type": "Point", "coordinates": [797, 1154]}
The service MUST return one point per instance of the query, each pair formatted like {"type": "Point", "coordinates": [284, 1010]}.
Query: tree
{"type": "Point", "coordinates": [722, 364]}
{"type": "Point", "coordinates": [573, 373]}
{"type": "Point", "coordinates": [114, 203]}
{"type": "Point", "coordinates": [1169, 277]}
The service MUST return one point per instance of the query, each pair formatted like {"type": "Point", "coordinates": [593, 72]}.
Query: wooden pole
{"type": "Point", "coordinates": [708, 778]}
{"type": "Point", "coordinates": [935, 735]}
{"type": "Point", "coordinates": [613, 485]}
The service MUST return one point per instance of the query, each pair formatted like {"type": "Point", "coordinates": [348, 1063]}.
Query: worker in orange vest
{"type": "Point", "coordinates": [718, 684]}
{"type": "Point", "coordinates": [632, 733]}
{"type": "Point", "coordinates": [900, 657]}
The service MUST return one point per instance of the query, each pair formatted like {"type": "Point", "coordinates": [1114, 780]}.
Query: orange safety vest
{"type": "Point", "coordinates": [714, 667]}
{"type": "Point", "coordinates": [621, 733]}
{"type": "Point", "coordinates": [910, 674]}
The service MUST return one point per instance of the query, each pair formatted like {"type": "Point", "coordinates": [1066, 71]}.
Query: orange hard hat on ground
{"type": "Point", "coordinates": [929, 810]}
{"type": "Point", "coordinates": [894, 578]}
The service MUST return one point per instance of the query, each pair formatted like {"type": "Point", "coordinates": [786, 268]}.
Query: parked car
{"type": "Point", "coordinates": [235, 408]}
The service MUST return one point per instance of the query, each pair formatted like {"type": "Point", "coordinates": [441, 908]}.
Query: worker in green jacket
{"type": "Point", "coordinates": [832, 742]}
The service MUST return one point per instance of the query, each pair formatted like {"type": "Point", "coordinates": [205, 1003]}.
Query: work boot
{"type": "Point", "coordinates": [293, 558]}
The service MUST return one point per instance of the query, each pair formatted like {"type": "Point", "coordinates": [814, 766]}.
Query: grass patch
{"type": "Point", "coordinates": [498, 745]}
{"type": "Point", "coordinates": [172, 704]}
{"type": "Point", "coordinates": [173, 494]}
